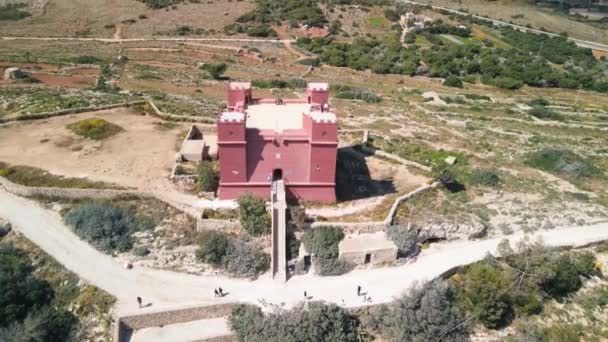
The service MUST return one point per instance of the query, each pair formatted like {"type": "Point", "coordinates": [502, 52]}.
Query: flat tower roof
{"type": "Point", "coordinates": [276, 117]}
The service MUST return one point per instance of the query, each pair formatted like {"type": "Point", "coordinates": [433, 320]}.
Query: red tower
{"type": "Point", "coordinates": [264, 139]}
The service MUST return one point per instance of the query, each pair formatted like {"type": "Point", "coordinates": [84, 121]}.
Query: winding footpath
{"type": "Point", "coordinates": [169, 289]}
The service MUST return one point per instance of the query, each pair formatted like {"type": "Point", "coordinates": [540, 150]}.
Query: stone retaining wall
{"type": "Point", "coordinates": [69, 193]}
{"type": "Point", "coordinates": [352, 227]}
{"type": "Point", "coordinates": [69, 111]}
{"type": "Point", "coordinates": [126, 325]}
{"type": "Point", "coordinates": [175, 117]}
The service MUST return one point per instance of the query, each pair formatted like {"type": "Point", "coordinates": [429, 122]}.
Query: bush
{"type": "Point", "coordinates": [107, 227]}
{"type": "Point", "coordinates": [253, 215]}
{"type": "Point", "coordinates": [13, 12]}
{"type": "Point", "coordinates": [323, 241]}
{"type": "Point", "coordinates": [482, 291]}
{"type": "Point", "coordinates": [215, 70]}
{"type": "Point", "coordinates": [539, 102]}
{"type": "Point", "coordinates": [425, 313]}
{"type": "Point", "coordinates": [27, 311]}
{"type": "Point", "coordinates": [156, 4]}
{"type": "Point", "coordinates": [562, 162]}
{"type": "Point", "coordinates": [94, 128]}
{"type": "Point", "coordinates": [316, 321]}
{"type": "Point", "coordinates": [245, 259]}
{"type": "Point", "coordinates": [485, 177]}
{"type": "Point", "coordinates": [359, 94]}
{"type": "Point", "coordinates": [206, 175]}
{"type": "Point", "coordinates": [452, 81]}
{"type": "Point", "coordinates": [213, 247]}
{"type": "Point", "coordinates": [332, 266]}
{"type": "Point", "coordinates": [406, 240]}
{"type": "Point", "coordinates": [297, 216]}
{"type": "Point", "coordinates": [542, 112]}
{"type": "Point", "coordinates": [141, 251]}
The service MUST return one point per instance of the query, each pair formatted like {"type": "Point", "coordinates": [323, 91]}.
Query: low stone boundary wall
{"type": "Point", "coordinates": [352, 227]}
{"type": "Point", "coordinates": [69, 111]}
{"type": "Point", "coordinates": [175, 117]}
{"type": "Point", "coordinates": [126, 325]}
{"type": "Point", "coordinates": [69, 193]}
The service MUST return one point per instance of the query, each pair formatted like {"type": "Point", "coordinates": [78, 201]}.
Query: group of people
{"type": "Point", "coordinates": [219, 292]}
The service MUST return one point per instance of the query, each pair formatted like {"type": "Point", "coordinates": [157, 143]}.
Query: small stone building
{"type": "Point", "coordinates": [198, 146]}
{"type": "Point", "coordinates": [369, 248]}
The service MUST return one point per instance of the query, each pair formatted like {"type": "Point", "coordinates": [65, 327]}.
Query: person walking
{"type": "Point", "coordinates": [139, 301]}
{"type": "Point", "coordinates": [358, 290]}
{"type": "Point", "coordinates": [305, 295]}
{"type": "Point", "coordinates": [217, 294]}
{"type": "Point", "coordinates": [221, 292]}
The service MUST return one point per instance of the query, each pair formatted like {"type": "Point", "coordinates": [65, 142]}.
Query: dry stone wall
{"type": "Point", "coordinates": [68, 112]}
{"type": "Point", "coordinates": [125, 325]}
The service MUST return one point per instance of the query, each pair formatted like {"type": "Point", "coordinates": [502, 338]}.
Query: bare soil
{"type": "Point", "coordinates": [140, 157]}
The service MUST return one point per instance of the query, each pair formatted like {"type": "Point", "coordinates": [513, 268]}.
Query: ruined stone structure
{"type": "Point", "coordinates": [261, 140]}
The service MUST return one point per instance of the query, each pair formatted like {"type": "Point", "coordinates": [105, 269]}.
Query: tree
{"type": "Point", "coordinates": [26, 313]}
{"type": "Point", "coordinates": [323, 241]}
{"type": "Point", "coordinates": [316, 321]}
{"type": "Point", "coordinates": [20, 291]}
{"type": "Point", "coordinates": [452, 81]}
{"type": "Point", "coordinates": [215, 70]}
{"type": "Point", "coordinates": [483, 291]}
{"type": "Point", "coordinates": [213, 246]}
{"type": "Point", "coordinates": [253, 215]}
{"type": "Point", "coordinates": [405, 239]}
{"type": "Point", "coordinates": [245, 259]}
{"type": "Point", "coordinates": [426, 313]}
{"type": "Point", "coordinates": [206, 176]}
{"type": "Point", "coordinates": [105, 226]}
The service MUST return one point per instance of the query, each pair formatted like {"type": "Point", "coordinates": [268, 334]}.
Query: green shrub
{"type": "Point", "coordinates": [485, 177]}
{"type": "Point", "coordinates": [215, 70]}
{"type": "Point", "coordinates": [566, 279]}
{"type": "Point", "coordinates": [261, 30]}
{"type": "Point", "coordinates": [245, 259]}
{"type": "Point", "coordinates": [253, 215]}
{"type": "Point", "coordinates": [156, 4]}
{"type": "Point", "coordinates": [106, 226]}
{"type": "Point", "coordinates": [316, 321]}
{"type": "Point", "coordinates": [13, 12]}
{"type": "Point", "coordinates": [87, 60]}
{"type": "Point", "coordinates": [212, 247]}
{"type": "Point", "coordinates": [207, 177]}
{"type": "Point", "coordinates": [545, 113]}
{"type": "Point", "coordinates": [425, 313]}
{"type": "Point", "coordinates": [539, 101]}
{"type": "Point", "coordinates": [563, 162]}
{"type": "Point", "coordinates": [405, 239]}
{"type": "Point", "coordinates": [293, 246]}
{"type": "Point", "coordinates": [332, 266]}
{"type": "Point", "coordinates": [359, 94]}
{"type": "Point", "coordinates": [94, 128]}
{"type": "Point", "coordinates": [482, 291]}
{"type": "Point", "coordinates": [27, 308]}
{"type": "Point", "coordinates": [297, 216]}
{"type": "Point", "coordinates": [323, 241]}
{"type": "Point", "coordinates": [452, 81]}
{"type": "Point", "coordinates": [141, 251]}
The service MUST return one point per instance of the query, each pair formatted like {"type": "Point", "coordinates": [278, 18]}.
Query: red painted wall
{"type": "Point", "coordinates": [307, 156]}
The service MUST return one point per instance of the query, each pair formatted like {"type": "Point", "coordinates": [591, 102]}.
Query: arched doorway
{"type": "Point", "coordinates": [277, 174]}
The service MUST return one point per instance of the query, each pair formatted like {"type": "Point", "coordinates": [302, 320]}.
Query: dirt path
{"type": "Point", "coordinates": [164, 288]}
